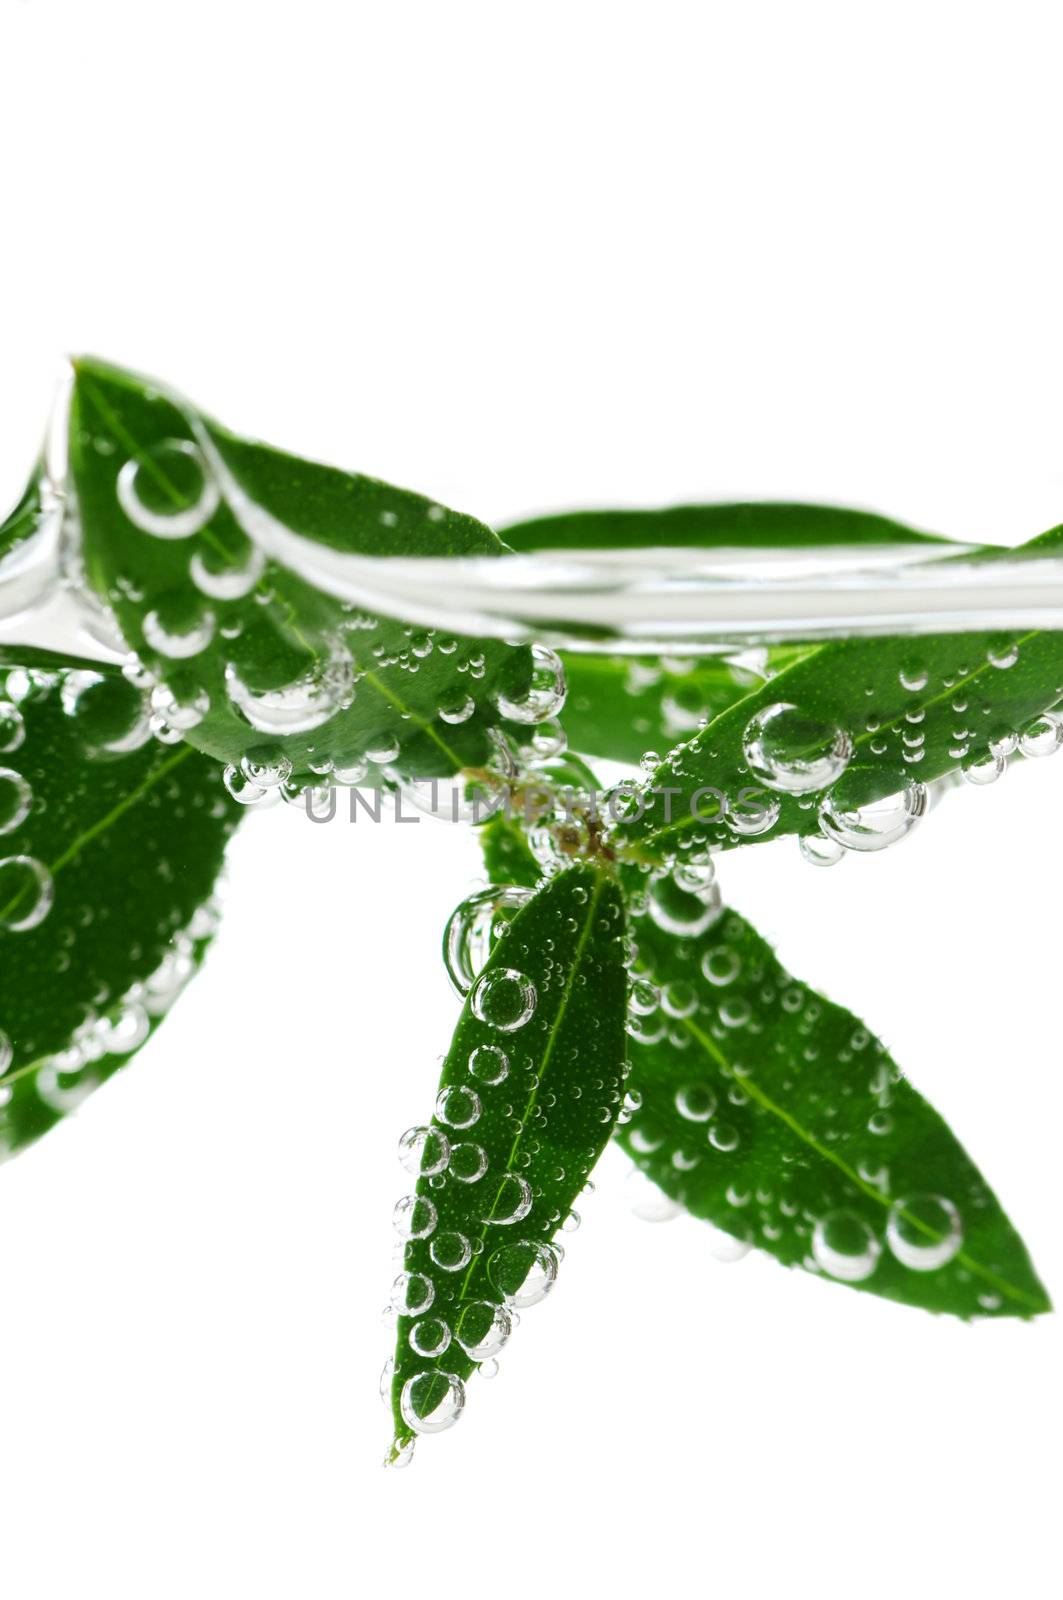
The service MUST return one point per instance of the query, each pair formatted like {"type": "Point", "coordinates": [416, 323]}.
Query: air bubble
{"type": "Point", "coordinates": [504, 999]}
{"type": "Point", "coordinates": [482, 1329]}
{"type": "Point", "coordinates": [474, 929]}
{"type": "Point", "coordinates": [298, 707]}
{"type": "Point", "coordinates": [429, 1337]}
{"type": "Point", "coordinates": [985, 767]}
{"type": "Point", "coordinates": [412, 1293]}
{"type": "Point", "coordinates": [432, 1401]}
{"type": "Point", "coordinates": [512, 1201]}
{"type": "Point", "coordinates": [26, 893]}
{"type": "Point", "coordinates": [12, 728]}
{"type": "Point", "coordinates": [924, 1231]}
{"type": "Point", "coordinates": [675, 910]}
{"type": "Point", "coordinates": [845, 1247]}
{"type": "Point", "coordinates": [720, 967]}
{"type": "Point", "coordinates": [227, 583]}
{"type": "Point", "coordinates": [414, 1217]}
{"type": "Point", "coordinates": [1043, 736]}
{"type": "Point", "coordinates": [791, 751]}
{"type": "Point", "coordinates": [458, 1107]}
{"type": "Point", "coordinates": [424, 1151]}
{"type": "Point", "coordinates": [857, 815]}
{"type": "Point", "coordinates": [178, 644]}
{"type": "Point", "coordinates": [450, 1251]}
{"type": "Point", "coordinates": [820, 851]}
{"type": "Point", "coordinates": [16, 800]}
{"type": "Point", "coordinates": [695, 1102]}
{"type": "Point", "coordinates": [468, 1162]}
{"type": "Point", "coordinates": [488, 1064]}
{"type": "Point", "coordinates": [168, 491]}
{"type": "Point", "coordinates": [545, 695]}
{"type": "Point", "coordinates": [457, 710]}
{"type": "Point", "coordinates": [523, 1273]}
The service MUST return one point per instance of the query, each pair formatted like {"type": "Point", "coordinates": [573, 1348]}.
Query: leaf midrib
{"type": "Point", "coordinates": [547, 1055]}
{"type": "Point", "coordinates": [765, 1101]}
{"type": "Point", "coordinates": [862, 739]}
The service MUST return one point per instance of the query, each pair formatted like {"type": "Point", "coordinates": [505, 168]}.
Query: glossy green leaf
{"type": "Point", "coordinates": [740, 523]}
{"type": "Point", "coordinates": [529, 1094]}
{"type": "Point", "coordinates": [774, 1114]}
{"type": "Point", "coordinates": [257, 661]}
{"type": "Point", "coordinates": [620, 708]}
{"type": "Point", "coordinates": [895, 714]}
{"type": "Point", "coordinates": [111, 849]}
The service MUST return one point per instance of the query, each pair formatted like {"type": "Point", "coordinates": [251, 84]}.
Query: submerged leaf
{"type": "Point", "coordinates": [112, 846]}
{"type": "Point", "coordinates": [529, 1094]}
{"type": "Point", "coordinates": [845, 741]}
{"type": "Point", "coordinates": [774, 1114]}
{"type": "Point", "coordinates": [255, 661]}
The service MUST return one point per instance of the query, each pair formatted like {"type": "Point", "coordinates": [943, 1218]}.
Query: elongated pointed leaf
{"type": "Point", "coordinates": [845, 739]}
{"type": "Point", "coordinates": [111, 845]}
{"type": "Point", "coordinates": [258, 662]}
{"type": "Point", "coordinates": [773, 1113]}
{"type": "Point", "coordinates": [529, 1094]}
{"type": "Point", "coordinates": [748, 522]}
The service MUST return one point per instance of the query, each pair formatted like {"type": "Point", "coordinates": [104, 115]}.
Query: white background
{"type": "Point", "coordinates": [523, 258]}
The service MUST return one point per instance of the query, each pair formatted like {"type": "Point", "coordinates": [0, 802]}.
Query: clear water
{"type": "Point", "coordinates": [629, 601]}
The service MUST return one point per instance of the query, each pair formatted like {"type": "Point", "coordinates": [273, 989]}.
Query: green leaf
{"type": "Point", "coordinates": [774, 1114]}
{"type": "Point", "coordinates": [258, 661]}
{"type": "Point", "coordinates": [867, 723]}
{"type": "Point", "coordinates": [22, 519]}
{"type": "Point", "coordinates": [529, 1094]}
{"type": "Point", "coordinates": [112, 846]}
{"type": "Point", "coordinates": [623, 707]}
{"type": "Point", "coordinates": [742, 523]}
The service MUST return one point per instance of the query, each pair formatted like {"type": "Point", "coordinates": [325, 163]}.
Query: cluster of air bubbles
{"type": "Point", "coordinates": [241, 789]}
{"type": "Point", "coordinates": [64, 1079]}
{"type": "Point", "coordinates": [545, 695]}
{"type": "Point", "coordinates": [168, 491]}
{"type": "Point", "coordinates": [474, 929]}
{"type": "Point", "coordinates": [793, 752]}
{"type": "Point", "coordinates": [985, 766]}
{"type": "Point", "coordinates": [176, 709]}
